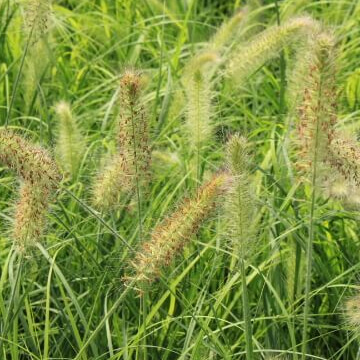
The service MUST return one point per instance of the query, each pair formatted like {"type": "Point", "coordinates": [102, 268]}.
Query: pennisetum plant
{"type": "Point", "coordinates": [128, 169]}
{"type": "Point", "coordinates": [240, 211]}
{"type": "Point", "coordinates": [175, 232]}
{"type": "Point", "coordinates": [315, 133]}
{"type": "Point", "coordinates": [70, 146]}
{"type": "Point", "coordinates": [39, 180]}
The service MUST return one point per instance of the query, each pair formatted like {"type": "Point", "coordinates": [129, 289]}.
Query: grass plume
{"type": "Point", "coordinates": [36, 17]}
{"type": "Point", "coordinates": [265, 46]}
{"type": "Point", "coordinates": [240, 212]}
{"type": "Point", "coordinates": [317, 110]}
{"type": "Point", "coordinates": [174, 233]}
{"type": "Point", "coordinates": [228, 31]}
{"type": "Point", "coordinates": [240, 204]}
{"type": "Point", "coordinates": [40, 179]}
{"type": "Point", "coordinates": [128, 169]}
{"type": "Point", "coordinates": [70, 145]}
{"type": "Point", "coordinates": [199, 94]}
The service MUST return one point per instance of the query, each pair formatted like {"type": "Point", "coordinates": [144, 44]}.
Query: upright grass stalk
{"type": "Point", "coordinates": [309, 248]}
{"type": "Point", "coordinates": [315, 133]}
{"type": "Point", "coordinates": [127, 171]}
{"type": "Point", "coordinates": [247, 313]}
{"type": "Point", "coordinates": [240, 211]}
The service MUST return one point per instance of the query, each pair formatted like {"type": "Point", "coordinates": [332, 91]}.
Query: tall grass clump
{"type": "Point", "coordinates": [240, 211]}
{"type": "Point", "coordinates": [70, 146]}
{"type": "Point", "coordinates": [127, 171]}
{"type": "Point", "coordinates": [39, 181]}
{"type": "Point", "coordinates": [175, 232]}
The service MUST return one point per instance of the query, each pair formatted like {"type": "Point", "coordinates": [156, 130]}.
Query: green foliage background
{"type": "Point", "coordinates": [194, 311]}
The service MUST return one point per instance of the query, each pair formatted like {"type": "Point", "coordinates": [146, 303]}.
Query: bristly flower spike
{"type": "Point", "coordinates": [317, 110]}
{"type": "Point", "coordinates": [128, 169]}
{"type": "Point", "coordinates": [199, 95]}
{"type": "Point", "coordinates": [40, 179]}
{"type": "Point", "coordinates": [70, 145]}
{"type": "Point", "coordinates": [267, 45]}
{"type": "Point", "coordinates": [240, 213]}
{"type": "Point", "coordinates": [240, 206]}
{"type": "Point", "coordinates": [173, 234]}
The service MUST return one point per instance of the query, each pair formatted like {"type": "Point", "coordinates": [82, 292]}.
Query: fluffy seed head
{"type": "Point", "coordinates": [267, 45]}
{"type": "Point", "coordinates": [228, 30]}
{"type": "Point", "coordinates": [352, 312]}
{"type": "Point", "coordinates": [36, 16]}
{"type": "Point", "coordinates": [70, 143]}
{"type": "Point", "coordinates": [240, 206]}
{"type": "Point", "coordinates": [173, 234]}
{"type": "Point", "coordinates": [40, 179]}
{"type": "Point", "coordinates": [199, 94]}
{"type": "Point", "coordinates": [344, 156]}
{"type": "Point", "coordinates": [130, 166]}
{"type": "Point", "coordinates": [317, 110]}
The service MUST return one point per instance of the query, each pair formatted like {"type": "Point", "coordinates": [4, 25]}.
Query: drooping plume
{"type": "Point", "coordinates": [267, 45]}
{"type": "Point", "coordinates": [228, 30]}
{"type": "Point", "coordinates": [39, 180]}
{"type": "Point", "coordinates": [174, 233]}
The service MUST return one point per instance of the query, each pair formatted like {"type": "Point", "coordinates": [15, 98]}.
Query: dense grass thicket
{"type": "Point", "coordinates": [179, 179]}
